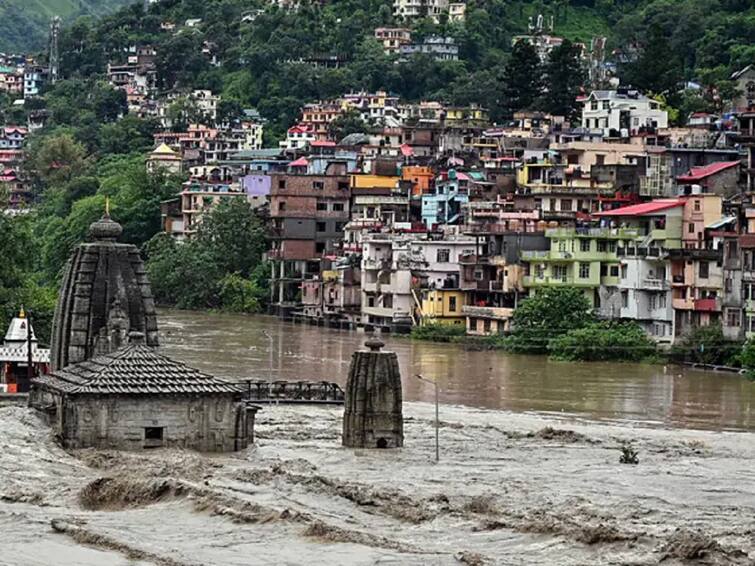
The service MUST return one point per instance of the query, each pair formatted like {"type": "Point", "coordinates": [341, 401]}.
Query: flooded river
{"type": "Point", "coordinates": [264, 347]}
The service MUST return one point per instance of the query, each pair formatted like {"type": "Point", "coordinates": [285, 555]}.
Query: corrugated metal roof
{"type": "Point", "coordinates": [644, 208]}
{"type": "Point", "coordinates": [699, 173]}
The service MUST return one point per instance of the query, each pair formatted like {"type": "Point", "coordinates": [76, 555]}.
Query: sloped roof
{"type": "Point", "coordinates": [700, 173]}
{"type": "Point", "coordinates": [134, 369]}
{"type": "Point", "coordinates": [163, 149]}
{"type": "Point", "coordinates": [642, 209]}
{"type": "Point", "coordinates": [17, 330]}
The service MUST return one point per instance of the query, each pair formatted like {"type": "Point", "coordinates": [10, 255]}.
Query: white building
{"type": "Point", "coordinates": [410, 9]}
{"type": "Point", "coordinates": [298, 137]}
{"type": "Point", "coordinates": [207, 103]}
{"type": "Point", "coordinates": [622, 112]}
{"type": "Point", "coordinates": [396, 268]}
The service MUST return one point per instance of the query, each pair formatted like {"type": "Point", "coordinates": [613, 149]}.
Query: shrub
{"type": "Point", "coordinates": [437, 332]}
{"type": "Point", "coordinates": [603, 341]}
{"type": "Point", "coordinates": [706, 345]}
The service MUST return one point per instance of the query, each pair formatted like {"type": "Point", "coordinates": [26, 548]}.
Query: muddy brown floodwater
{"type": "Point", "coordinates": [529, 469]}
{"type": "Point", "coordinates": [268, 348]}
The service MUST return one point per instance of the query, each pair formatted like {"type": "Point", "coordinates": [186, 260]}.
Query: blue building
{"type": "Point", "coordinates": [444, 205]}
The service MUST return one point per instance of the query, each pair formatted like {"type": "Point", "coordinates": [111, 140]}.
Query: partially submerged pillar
{"type": "Point", "coordinates": [372, 416]}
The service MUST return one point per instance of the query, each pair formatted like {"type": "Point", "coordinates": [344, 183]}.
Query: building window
{"type": "Point", "coordinates": [320, 227]}
{"type": "Point", "coordinates": [452, 304]}
{"type": "Point", "coordinates": [727, 285]}
{"type": "Point", "coordinates": [322, 206]}
{"type": "Point", "coordinates": [691, 228]}
{"type": "Point", "coordinates": [561, 245]}
{"type": "Point", "coordinates": [602, 246]}
{"type": "Point", "coordinates": [733, 317]}
{"type": "Point", "coordinates": [486, 324]}
{"type": "Point", "coordinates": [153, 436]}
{"type": "Point", "coordinates": [337, 207]}
{"type": "Point", "coordinates": [652, 302]}
{"type": "Point", "coordinates": [281, 206]}
{"type": "Point", "coordinates": [319, 247]}
{"type": "Point", "coordinates": [696, 204]}
{"type": "Point", "coordinates": [559, 273]}
{"type": "Point", "coordinates": [584, 245]}
{"type": "Point", "coordinates": [443, 255]}
{"type": "Point", "coordinates": [584, 270]}
{"type": "Point", "coordinates": [703, 270]}
{"type": "Point", "coordinates": [614, 271]}
{"type": "Point", "coordinates": [612, 246]}
{"type": "Point", "coordinates": [388, 301]}
{"type": "Point", "coordinates": [593, 105]}
{"type": "Point", "coordinates": [600, 159]}
{"type": "Point", "coordinates": [281, 183]}
{"type": "Point", "coordinates": [539, 271]}
{"type": "Point", "coordinates": [565, 205]}
{"type": "Point", "coordinates": [625, 299]}
{"type": "Point", "coordinates": [624, 271]}
{"type": "Point", "coordinates": [662, 301]}
{"type": "Point", "coordinates": [319, 185]}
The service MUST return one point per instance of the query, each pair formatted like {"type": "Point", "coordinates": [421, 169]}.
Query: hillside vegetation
{"type": "Point", "coordinates": [24, 24]}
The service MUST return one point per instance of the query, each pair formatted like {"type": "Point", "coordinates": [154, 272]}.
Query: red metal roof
{"type": "Point", "coordinates": [699, 173]}
{"type": "Point", "coordinates": [301, 162]}
{"type": "Point", "coordinates": [323, 143]}
{"type": "Point", "coordinates": [406, 150]}
{"type": "Point", "coordinates": [643, 208]}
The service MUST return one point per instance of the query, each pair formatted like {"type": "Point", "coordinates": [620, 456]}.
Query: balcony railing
{"type": "Point", "coordinates": [653, 283]}
{"type": "Point", "coordinates": [708, 305]}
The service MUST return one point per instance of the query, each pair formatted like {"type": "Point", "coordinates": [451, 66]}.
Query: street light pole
{"type": "Point", "coordinates": [437, 416]}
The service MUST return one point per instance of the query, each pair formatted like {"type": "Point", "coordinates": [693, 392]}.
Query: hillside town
{"type": "Point", "coordinates": [386, 214]}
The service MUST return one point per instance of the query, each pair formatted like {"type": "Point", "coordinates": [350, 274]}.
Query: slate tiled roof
{"type": "Point", "coordinates": [134, 369]}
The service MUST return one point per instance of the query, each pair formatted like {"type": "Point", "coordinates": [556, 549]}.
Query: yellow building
{"type": "Point", "coordinates": [443, 306]}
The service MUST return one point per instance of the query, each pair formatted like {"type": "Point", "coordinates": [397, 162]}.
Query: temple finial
{"type": "Point", "coordinates": [22, 312]}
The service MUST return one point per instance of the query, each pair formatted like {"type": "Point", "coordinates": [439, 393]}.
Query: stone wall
{"type": "Point", "coordinates": [208, 423]}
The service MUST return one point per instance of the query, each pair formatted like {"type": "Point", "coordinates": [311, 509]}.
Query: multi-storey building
{"type": "Point", "coordinates": [622, 112]}
{"type": "Point", "coordinates": [411, 9]}
{"type": "Point", "coordinates": [585, 258]}
{"type": "Point", "coordinates": [439, 48]}
{"type": "Point", "coordinates": [308, 214]}
{"type": "Point", "coordinates": [393, 38]}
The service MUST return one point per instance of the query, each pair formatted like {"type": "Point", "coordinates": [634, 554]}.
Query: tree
{"type": "Point", "coordinates": [603, 341]}
{"type": "Point", "coordinates": [547, 314]}
{"type": "Point", "coordinates": [58, 159]}
{"type": "Point", "coordinates": [522, 79]}
{"type": "Point", "coordinates": [564, 78]}
{"type": "Point", "coordinates": [657, 68]}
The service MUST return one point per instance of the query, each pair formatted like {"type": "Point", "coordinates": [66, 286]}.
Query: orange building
{"type": "Point", "coordinates": [420, 177]}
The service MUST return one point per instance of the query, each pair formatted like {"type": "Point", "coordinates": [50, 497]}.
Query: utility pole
{"type": "Point", "coordinates": [437, 416]}
{"type": "Point", "coordinates": [29, 359]}
{"type": "Point", "coordinates": [53, 54]}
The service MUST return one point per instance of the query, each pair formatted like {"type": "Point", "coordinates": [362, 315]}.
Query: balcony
{"type": "Point", "coordinates": [656, 284]}
{"type": "Point", "coordinates": [683, 304]}
{"type": "Point", "coordinates": [604, 233]}
{"type": "Point", "coordinates": [497, 313]}
{"type": "Point", "coordinates": [708, 305]}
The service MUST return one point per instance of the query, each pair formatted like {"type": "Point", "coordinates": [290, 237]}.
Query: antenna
{"type": "Point", "coordinates": [53, 49]}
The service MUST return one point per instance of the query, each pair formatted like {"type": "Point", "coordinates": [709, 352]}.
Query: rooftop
{"type": "Point", "coordinates": [643, 209]}
{"type": "Point", "coordinates": [134, 369]}
{"type": "Point", "coordinates": [699, 173]}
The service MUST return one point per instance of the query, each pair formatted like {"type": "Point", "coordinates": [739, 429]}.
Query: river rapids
{"type": "Point", "coordinates": [510, 488]}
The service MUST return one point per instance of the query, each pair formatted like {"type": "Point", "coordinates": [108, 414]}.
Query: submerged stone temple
{"type": "Point", "coordinates": [109, 387]}
{"type": "Point", "coordinates": [105, 295]}
{"type": "Point", "coordinates": [373, 414]}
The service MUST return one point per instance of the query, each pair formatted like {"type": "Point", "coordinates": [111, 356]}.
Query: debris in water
{"type": "Point", "coordinates": [628, 455]}
{"type": "Point", "coordinates": [471, 558]}
{"type": "Point", "coordinates": [330, 533]}
{"type": "Point", "coordinates": [481, 505]}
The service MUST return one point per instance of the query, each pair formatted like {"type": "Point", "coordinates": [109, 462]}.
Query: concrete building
{"type": "Point", "coordinates": [413, 9]}
{"type": "Point", "coordinates": [14, 356]}
{"type": "Point", "coordinates": [308, 214]}
{"type": "Point", "coordinates": [744, 82]}
{"type": "Point", "coordinates": [393, 38]}
{"type": "Point", "coordinates": [164, 157]}
{"type": "Point", "coordinates": [439, 48]}
{"type": "Point", "coordinates": [622, 113]}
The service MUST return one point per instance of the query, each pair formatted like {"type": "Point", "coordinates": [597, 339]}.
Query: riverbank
{"type": "Point", "coordinates": [510, 488]}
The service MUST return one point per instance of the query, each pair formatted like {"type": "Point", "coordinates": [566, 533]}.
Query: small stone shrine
{"type": "Point", "coordinates": [108, 387]}
{"type": "Point", "coordinates": [373, 414]}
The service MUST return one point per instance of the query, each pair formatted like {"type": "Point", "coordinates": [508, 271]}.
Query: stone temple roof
{"type": "Point", "coordinates": [134, 369]}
